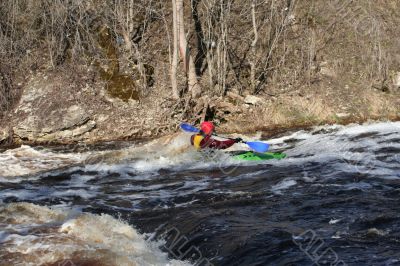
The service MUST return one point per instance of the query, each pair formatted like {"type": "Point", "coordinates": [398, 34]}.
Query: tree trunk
{"type": "Point", "coordinates": [253, 49]}
{"type": "Point", "coordinates": [174, 63]}
{"type": "Point", "coordinates": [194, 87]}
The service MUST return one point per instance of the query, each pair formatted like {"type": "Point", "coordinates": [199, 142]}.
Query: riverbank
{"type": "Point", "coordinates": [69, 107]}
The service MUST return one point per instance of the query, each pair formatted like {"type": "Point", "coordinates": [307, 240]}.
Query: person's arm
{"type": "Point", "coordinates": [222, 144]}
{"type": "Point", "coordinates": [209, 142]}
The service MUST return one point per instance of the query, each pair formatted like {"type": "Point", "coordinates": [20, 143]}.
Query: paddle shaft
{"type": "Point", "coordinates": [227, 138]}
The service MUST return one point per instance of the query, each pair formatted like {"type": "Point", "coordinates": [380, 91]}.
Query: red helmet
{"type": "Point", "coordinates": [207, 127]}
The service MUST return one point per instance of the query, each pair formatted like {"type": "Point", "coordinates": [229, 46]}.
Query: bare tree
{"type": "Point", "coordinates": [189, 67]}
{"type": "Point", "coordinates": [174, 63]}
{"type": "Point", "coordinates": [253, 48]}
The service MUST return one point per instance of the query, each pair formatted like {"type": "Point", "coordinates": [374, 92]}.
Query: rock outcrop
{"type": "Point", "coordinates": [62, 125]}
{"type": "Point", "coordinates": [68, 107]}
{"type": "Point", "coordinates": [47, 114]}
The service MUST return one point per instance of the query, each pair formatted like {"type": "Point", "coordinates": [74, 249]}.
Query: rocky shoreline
{"type": "Point", "coordinates": [52, 110]}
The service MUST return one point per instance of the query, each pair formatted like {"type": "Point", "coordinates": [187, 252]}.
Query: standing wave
{"type": "Point", "coordinates": [38, 235]}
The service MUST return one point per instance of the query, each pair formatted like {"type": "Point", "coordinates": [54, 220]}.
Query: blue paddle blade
{"type": "Point", "coordinates": [258, 146]}
{"type": "Point", "coordinates": [189, 128]}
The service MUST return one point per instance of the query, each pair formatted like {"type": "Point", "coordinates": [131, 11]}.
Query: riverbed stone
{"type": "Point", "coordinates": [253, 100]}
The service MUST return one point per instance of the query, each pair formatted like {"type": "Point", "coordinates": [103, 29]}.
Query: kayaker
{"type": "Point", "coordinates": [204, 138]}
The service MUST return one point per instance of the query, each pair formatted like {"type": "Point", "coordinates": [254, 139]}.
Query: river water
{"type": "Point", "coordinates": [335, 200]}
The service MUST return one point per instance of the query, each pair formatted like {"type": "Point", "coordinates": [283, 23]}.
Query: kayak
{"type": "Point", "coordinates": [255, 156]}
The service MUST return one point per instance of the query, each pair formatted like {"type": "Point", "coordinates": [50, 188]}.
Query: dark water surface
{"type": "Point", "coordinates": [334, 201]}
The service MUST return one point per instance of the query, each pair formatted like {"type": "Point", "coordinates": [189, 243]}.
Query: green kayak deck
{"type": "Point", "coordinates": [255, 156]}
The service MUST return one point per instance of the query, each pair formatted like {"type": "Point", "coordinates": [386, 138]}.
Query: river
{"type": "Point", "coordinates": [335, 200]}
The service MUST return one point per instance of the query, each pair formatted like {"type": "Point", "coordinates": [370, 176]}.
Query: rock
{"type": "Point", "coordinates": [374, 232]}
{"type": "Point", "coordinates": [234, 96]}
{"type": "Point", "coordinates": [343, 115]}
{"type": "Point", "coordinates": [68, 135]}
{"type": "Point", "coordinates": [396, 80]}
{"type": "Point", "coordinates": [102, 117]}
{"type": "Point", "coordinates": [84, 128]}
{"type": "Point", "coordinates": [228, 107]}
{"type": "Point", "coordinates": [63, 121]}
{"type": "Point", "coordinates": [382, 85]}
{"type": "Point", "coordinates": [254, 100]}
{"type": "Point", "coordinates": [4, 135]}
{"type": "Point", "coordinates": [27, 128]}
{"type": "Point", "coordinates": [326, 70]}
{"type": "Point", "coordinates": [75, 116]}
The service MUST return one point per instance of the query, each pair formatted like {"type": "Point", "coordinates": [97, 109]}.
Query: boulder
{"type": "Point", "coordinates": [253, 100]}
{"type": "Point", "coordinates": [396, 81]}
{"type": "Point", "coordinates": [4, 135]}
{"type": "Point", "coordinates": [343, 115]}
{"type": "Point", "coordinates": [84, 128]}
{"type": "Point", "coordinates": [27, 128]}
{"type": "Point", "coordinates": [74, 116]}
{"type": "Point", "coordinates": [73, 134]}
{"type": "Point", "coordinates": [60, 123]}
{"type": "Point", "coordinates": [62, 119]}
{"type": "Point", "coordinates": [374, 232]}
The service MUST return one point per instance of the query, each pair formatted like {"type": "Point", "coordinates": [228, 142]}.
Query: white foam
{"type": "Point", "coordinates": [334, 221]}
{"type": "Point", "coordinates": [381, 127]}
{"type": "Point", "coordinates": [20, 194]}
{"type": "Point", "coordinates": [336, 145]}
{"type": "Point", "coordinates": [83, 193]}
{"type": "Point", "coordinates": [322, 144]}
{"type": "Point", "coordinates": [26, 160]}
{"type": "Point", "coordinates": [58, 235]}
{"type": "Point", "coordinates": [282, 185]}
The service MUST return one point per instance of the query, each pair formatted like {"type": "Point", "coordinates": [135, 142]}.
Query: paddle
{"type": "Point", "coordinates": [254, 145]}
